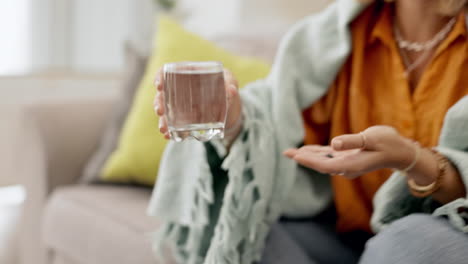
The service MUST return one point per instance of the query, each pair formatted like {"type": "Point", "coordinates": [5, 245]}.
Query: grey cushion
{"type": "Point", "coordinates": [95, 224]}
{"type": "Point", "coordinates": [135, 65]}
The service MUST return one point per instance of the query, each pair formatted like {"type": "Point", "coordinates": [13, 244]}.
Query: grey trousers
{"type": "Point", "coordinates": [413, 239]}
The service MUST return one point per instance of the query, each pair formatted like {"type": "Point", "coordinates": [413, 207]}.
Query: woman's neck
{"type": "Point", "coordinates": [418, 20]}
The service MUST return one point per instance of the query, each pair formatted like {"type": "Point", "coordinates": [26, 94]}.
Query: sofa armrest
{"type": "Point", "coordinates": [62, 135]}
{"type": "Point", "coordinates": [50, 140]}
{"type": "Point", "coordinates": [70, 133]}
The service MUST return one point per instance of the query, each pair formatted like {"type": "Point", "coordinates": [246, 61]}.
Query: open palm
{"type": "Point", "coordinates": [353, 155]}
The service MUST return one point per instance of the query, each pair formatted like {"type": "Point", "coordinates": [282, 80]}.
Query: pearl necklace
{"type": "Point", "coordinates": [423, 46]}
{"type": "Point", "coordinates": [420, 47]}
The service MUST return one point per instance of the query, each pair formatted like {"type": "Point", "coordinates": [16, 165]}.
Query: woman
{"type": "Point", "coordinates": [377, 82]}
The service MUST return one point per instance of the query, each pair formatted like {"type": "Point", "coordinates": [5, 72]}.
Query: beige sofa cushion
{"type": "Point", "coordinates": [95, 224]}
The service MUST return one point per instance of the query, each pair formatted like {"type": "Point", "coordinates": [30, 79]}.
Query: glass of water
{"type": "Point", "coordinates": [195, 100]}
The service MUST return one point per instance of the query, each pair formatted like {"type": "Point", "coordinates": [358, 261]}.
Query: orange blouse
{"type": "Point", "coordinates": [371, 89]}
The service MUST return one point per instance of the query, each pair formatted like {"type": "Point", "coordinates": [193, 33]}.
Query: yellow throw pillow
{"type": "Point", "coordinates": [136, 159]}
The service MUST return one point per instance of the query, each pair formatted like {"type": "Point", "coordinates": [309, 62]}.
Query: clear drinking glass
{"type": "Point", "coordinates": [195, 100]}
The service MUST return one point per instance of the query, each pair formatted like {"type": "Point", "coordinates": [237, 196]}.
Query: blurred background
{"type": "Point", "coordinates": [87, 36]}
{"type": "Point", "coordinates": [59, 52]}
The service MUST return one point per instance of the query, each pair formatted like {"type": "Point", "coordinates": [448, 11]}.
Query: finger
{"type": "Point", "coordinates": [163, 125]}
{"type": "Point", "coordinates": [167, 135]}
{"type": "Point", "coordinates": [159, 108]}
{"type": "Point", "coordinates": [229, 79]}
{"type": "Point", "coordinates": [234, 107]}
{"type": "Point", "coordinates": [344, 153]}
{"type": "Point", "coordinates": [290, 153]}
{"type": "Point", "coordinates": [312, 155]}
{"type": "Point", "coordinates": [158, 80]}
{"type": "Point", "coordinates": [315, 162]}
{"type": "Point", "coordinates": [231, 94]}
{"type": "Point", "coordinates": [230, 85]}
{"type": "Point", "coordinates": [350, 141]}
{"type": "Point", "coordinates": [351, 162]}
{"type": "Point", "coordinates": [317, 148]}
{"type": "Point", "coordinates": [320, 150]}
{"type": "Point", "coordinates": [358, 163]}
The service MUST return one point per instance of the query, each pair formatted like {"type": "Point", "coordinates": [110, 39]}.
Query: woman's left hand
{"type": "Point", "coordinates": [353, 155]}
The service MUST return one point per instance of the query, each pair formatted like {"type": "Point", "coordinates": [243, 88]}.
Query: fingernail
{"type": "Point", "coordinates": [337, 144]}
{"type": "Point", "coordinates": [156, 109]}
{"type": "Point", "coordinates": [232, 86]}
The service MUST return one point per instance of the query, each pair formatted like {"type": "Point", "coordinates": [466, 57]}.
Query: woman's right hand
{"type": "Point", "coordinates": [234, 107]}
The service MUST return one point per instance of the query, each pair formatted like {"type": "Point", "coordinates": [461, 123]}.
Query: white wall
{"type": "Point", "coordinates": [49, 46]}
{"type": "Point", "coordinates": [99, 29]}
{"type": "Point", "coordinates": [276, 13]}
{"type": "Point", "coordinates": [15, 32]}
{"type": "Point", "coordinates": [88, 35]}
{"type": "Point", "coordinates": [249, 16]}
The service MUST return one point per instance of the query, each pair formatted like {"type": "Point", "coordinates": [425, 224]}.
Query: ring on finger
{"type": "Point", "coordinates": [364, 140]}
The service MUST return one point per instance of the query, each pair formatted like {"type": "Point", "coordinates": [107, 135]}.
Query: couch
{"type": "Point", "coordinates": [65, 222]}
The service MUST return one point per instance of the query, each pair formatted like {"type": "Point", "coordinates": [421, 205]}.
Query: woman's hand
{"type": "Point", "coordinates": [353, 155]}
{"type": "Point", "coordinates": [234, 113]}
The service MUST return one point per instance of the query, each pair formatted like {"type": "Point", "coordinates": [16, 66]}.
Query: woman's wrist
{"type": "Point", "coordinates": [430, 171]}
{"type": "Point", "coordinates": [436, 176]}
{"type": "Point", "coordinates": [425, 170]}
{"type": "Point", "coordinates": [406, 155]}
{"type": "Point", "coordinates": [416, 162]}
{"type": "Point", "coordinates": [230, 134]}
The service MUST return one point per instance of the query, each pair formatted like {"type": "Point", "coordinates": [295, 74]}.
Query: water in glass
{"type": "Point", "coordinates": [195, 100]}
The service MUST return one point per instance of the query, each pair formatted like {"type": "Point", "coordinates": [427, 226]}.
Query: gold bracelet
{"type": "Point", "coordinates": [424, 191]}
